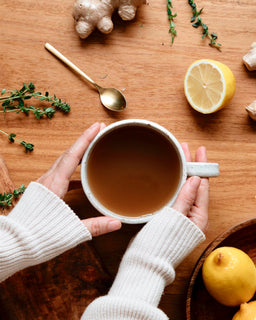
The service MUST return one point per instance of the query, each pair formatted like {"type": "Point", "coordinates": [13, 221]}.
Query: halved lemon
{"type": "Point", "coordinates": [209, 85]}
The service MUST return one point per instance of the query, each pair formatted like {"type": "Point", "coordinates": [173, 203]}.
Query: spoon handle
{"type": "Point", "coordinates": [68, 63]}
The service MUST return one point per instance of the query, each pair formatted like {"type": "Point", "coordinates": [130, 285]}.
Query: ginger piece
{"type": "Point", "coordinates": [251, 109]}
{"type": "Point", "coordinates": [91, 14]}
{"type": "Point", "coordinates": [250, 58]}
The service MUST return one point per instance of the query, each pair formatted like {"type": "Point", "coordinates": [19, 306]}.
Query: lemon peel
{"type": "Point", "coordinates": [229, 276]}
{"type": "Point", "coordinates": [247, 311]}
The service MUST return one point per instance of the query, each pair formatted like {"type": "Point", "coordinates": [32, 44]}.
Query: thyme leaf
{"type": "Point", "coordinates": [28, 146]}
{"type": "Point", "coordinates": [14, 101]}
{"type": "Point", "coordinates": [197, 21]}
{"type": "Point", "coordinates": [171, 16]}
{"type": "Point", "coordinates": [7, 197]}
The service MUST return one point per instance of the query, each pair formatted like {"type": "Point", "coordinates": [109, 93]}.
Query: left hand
{"type": "Point", "coordinates": [57, 178]}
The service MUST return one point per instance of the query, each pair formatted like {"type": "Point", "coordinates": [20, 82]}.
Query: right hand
{"type": "Point", "coordinates": [193, 198]}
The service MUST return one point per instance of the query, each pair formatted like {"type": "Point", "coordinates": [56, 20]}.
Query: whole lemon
{"type": "Point", "coordinates": [229, 275]}
{"type": "Point", "coordinates": [247, 311]}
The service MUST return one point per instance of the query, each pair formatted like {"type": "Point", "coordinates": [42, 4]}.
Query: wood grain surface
{"type": "Point", "coordinates": [57, 289]}
{"type": "Point", "coordinates": [137, 58]}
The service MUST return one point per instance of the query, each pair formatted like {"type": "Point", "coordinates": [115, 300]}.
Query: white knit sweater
{"type": "Point", "coordinates": [42, 226]}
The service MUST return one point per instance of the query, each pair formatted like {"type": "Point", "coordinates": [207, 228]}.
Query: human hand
{"type": "Point", "coordinates": [57, 178]}
{"type": "Point", "coordinates": [193, 198]}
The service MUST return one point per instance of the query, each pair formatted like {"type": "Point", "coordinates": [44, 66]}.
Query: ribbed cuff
{"type": "Point", "coordinates": [40, 227]}
{"type": "Point", "coordinates": [119, 308]}
{"type": "Point", "coordinates": [149, 262]}
{"type": "Point", "coordinates": [169, 235]}
{"type": "Point", "coordinates": [146, 268]}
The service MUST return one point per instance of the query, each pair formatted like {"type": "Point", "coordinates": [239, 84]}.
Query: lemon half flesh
{"type": "Point", "coordinates": [209, 85]}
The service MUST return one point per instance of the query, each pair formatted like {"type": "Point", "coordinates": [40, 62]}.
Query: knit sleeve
{"type": "Point", "coordinates": [146, 268]}
{"type": "Point", "coordinates": [40, 227]}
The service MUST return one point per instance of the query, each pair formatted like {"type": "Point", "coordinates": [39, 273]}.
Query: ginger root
{"type": "Point", "coordinates": [250, 58]}
{"type": "Point", "coordinates": [251, 109]}
{"type": "Point", "coordinates": [91, 14]}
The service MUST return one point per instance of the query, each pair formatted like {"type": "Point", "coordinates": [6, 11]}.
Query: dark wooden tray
{"type": "Point", "coordinates": [200, 305]}
{"type": "Point", "coordinates": [58, 289]}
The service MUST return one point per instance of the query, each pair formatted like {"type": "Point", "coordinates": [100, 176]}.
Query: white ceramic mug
{"type": "Point", "coordinates": [187, 168]}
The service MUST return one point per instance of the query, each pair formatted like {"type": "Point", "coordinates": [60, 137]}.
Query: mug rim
{"type": "Point", "coordinates": [123, 123]}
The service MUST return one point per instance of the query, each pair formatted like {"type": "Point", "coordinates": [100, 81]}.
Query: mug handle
{"type": "Point", "coordinates": [202, 169]}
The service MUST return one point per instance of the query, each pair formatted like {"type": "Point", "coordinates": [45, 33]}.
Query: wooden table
{"type": "Point", "coordinates": [137, 58]}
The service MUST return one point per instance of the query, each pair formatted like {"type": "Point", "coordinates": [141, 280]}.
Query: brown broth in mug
{"type": "Point", "coordinates": [133, 171]}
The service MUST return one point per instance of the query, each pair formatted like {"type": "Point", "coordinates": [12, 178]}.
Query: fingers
{"type": "Point", "coordinates": [201, 155]}
{"type": "Point", "coordinates": [102, 126]}
{"type": "Point", "coordinates": [101, 225]}
{"type": "Point", "coordinates": [199, 212]}
{"type": "Point", "coordinates": [187, 195]}
{"type": "Point", "coordinates": [81, 145]}
{"type": "Point", "coordinates": [70, 159]}
{"type": "Point", "coordinates": [76, 184]}
{"type": "Point", "coordinates": [193, 199]}
{"type": "Point", "coordinates": [186, 151]}
{"type": "Point", "coordinates": [202, 200]}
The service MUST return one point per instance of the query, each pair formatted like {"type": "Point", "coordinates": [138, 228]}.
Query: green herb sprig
{"type": "Point", "coordinates": [196, 21]}
{"type": "Point", "coordinates": [171, 17]}
{"type": "Point", "coordinates": [14, 101]}
{"type": "Point", "coordinates": [7, 198]}
{"type": "Point", "coordinates": [28, 146]}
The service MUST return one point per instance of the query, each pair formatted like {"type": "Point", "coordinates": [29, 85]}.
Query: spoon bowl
{"type": "Point", "coordinates": [111, 98]}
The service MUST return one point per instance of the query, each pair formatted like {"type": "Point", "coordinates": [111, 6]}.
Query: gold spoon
{"type": "Point", "coordinates": [111, 98]}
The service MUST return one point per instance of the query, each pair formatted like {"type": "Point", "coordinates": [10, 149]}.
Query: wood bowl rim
{"type": "Point", "coordinates": [216, 242]}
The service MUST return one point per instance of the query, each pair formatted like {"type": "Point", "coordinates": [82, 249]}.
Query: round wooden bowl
{"type": "Point", "coordinates": [200, 305]}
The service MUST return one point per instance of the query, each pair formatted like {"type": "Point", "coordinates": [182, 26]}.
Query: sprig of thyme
{"type": "Point", "coordinates": [28, 146]}
{"type": "Point", "coordinates": [171, 17]}
{"type": "Point", "coordinates": [196, 21]}
{"type": "Point", "coordinates": [7, 198]}
{"type": "Point", "coordinates": [14, 101]}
